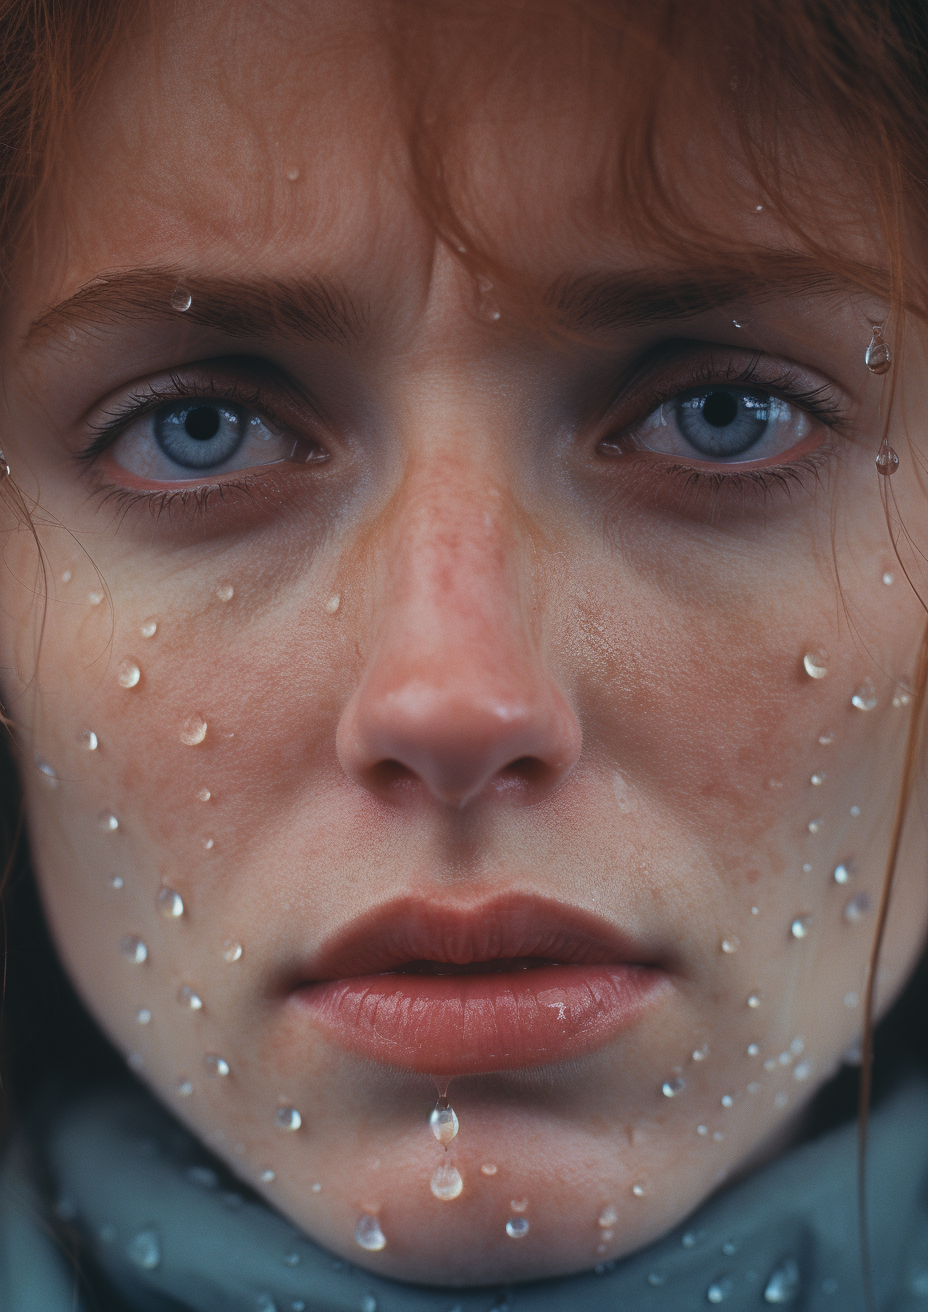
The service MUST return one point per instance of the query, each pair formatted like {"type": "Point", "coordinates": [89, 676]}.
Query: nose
{"type": "Point", "coordinates": [456, 693]}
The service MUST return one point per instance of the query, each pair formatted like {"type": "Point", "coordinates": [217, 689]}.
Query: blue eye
{"type": "Point", "coordinates": [724, 424]}
{"type": "Point", "coordinates": [198, 436]}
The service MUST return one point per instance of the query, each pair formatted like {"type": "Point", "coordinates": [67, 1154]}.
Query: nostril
{"type": "Point", "coordinates": [391, 775]}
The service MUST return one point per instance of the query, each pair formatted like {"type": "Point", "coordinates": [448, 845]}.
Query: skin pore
{"type": "Point", "coordinates": [450, 627]}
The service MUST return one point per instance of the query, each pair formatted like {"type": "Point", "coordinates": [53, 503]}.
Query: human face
{"type": "Point", "coordinates": [381, 625]}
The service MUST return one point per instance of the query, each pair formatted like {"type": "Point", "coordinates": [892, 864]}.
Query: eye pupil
{"type": "Point", "coordinates": [202, 423]}
{"type": "Point", "coordinates": [720, 409]}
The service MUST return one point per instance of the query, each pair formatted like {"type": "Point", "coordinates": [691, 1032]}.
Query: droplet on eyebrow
{"type": "Point", "coordinates": [287, 1118]}
{"type": "Point", "coordinates": [169, 903]}
{"type": "Point", "coordinates": [107, 822]}
{"type": "Point", "coordinates": [88, 740]}
{"type": "Point", "coordinates": [181, 300]}
{"type": "Point", "coordinates": [193, 730]}
{"type": "Point", "coordinates": [815, 664]}
{"type": "Point", "coordinates": [134, 949]}
{"type": "Point", "coordinates": [149, 628]}
{"type": "Point", "coordinates": [128, 673]}
{"type": "Point", "coordinates": [225, 592]}
{"type": "Point", "coordinates": [865, 697]}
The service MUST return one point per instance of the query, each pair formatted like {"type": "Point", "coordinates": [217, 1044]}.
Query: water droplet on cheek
{"type": "Point", "coordinates": [865, 698]}
{"type": "Point", "coordinates": [149, 628]}
{"type": "Point", "coordinates": [368, 1234]}
{"type": "Point", "coordinates": [287, 1119]}
{"type": "Point", "coordinates": [672, 1088]}
{"type": "Point", "coordinates": [815, 664]}
{"type": "Point", "coordinates": [231, 950]}
{"type": "Point", "coordinates": [128, 673]}
{"type": "Point", "coordinates": [225, 592]}
{"type": "Point", "coordinates": [187, 997]}
{"type": "Point", "coordinates": [88, 740]}
{"type": "Point", "coordinates": [169, 903]}
{"type": "Point", "coordinates": [193, 731]}
{"type": "Point", "coordinates": [134, 949]}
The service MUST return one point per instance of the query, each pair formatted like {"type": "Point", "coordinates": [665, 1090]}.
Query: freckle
{"type": "Point", "coordinates": [128, 673]}
{"type": "Point", "coordinates": [333, 603]}
{"type": "Point", "coordinates": [149, 628]}
{"type": "Point", "coordinates": [193, 730]}
{"type": "Point", "coordinates": [95, 598]}
{"type": "Point", "coordinates": [225, 592]}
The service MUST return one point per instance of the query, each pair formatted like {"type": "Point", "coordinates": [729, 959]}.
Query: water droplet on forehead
{"type": "Point", "coordinates": [149, 628]}
{"type": "Point", "coordinates": [88, 740]}
{"type": "Point", "coordinates": [181, 300]}
{"type": "Point", "coordinates": [47, 771]}
{"type": "Point", "coordinates": [133, 948]}
{"type": "Point", "coordinates": [783, 1284]}
{"type": "Point", "coordinates": [143, 1016]}
{"type": "Point", "coordinates": [225, 592]}
{"type": "Point", "coordinates": [444, 1124]}
{"type": "Point", "coordinates": [865, 698]}
{"type": "Point", "coordinates": [800, 926]}
{"type": "Point", "coordinates": [368, 1234]}
{"type": "Point", "coordinates": [169, 903]}
{"type": "Point", "coordinates": [671, 1088]}
{"type": "Point", "coordinates": [144, 1250]}
{"type": "Point", "coordinates": [216, 1065]}
{"type": "Point", "coordinates": [187, 997]}
{"type": "Point", "coordinates": [815, 664]}
{"type": "Point", "coordinates": [333, 603]}
{"type": "Point", "coordinates": [128, 673]}
{"type": "Point", "coordinates": [446, 1182]}
{"type": "Point", "coordinates": [193, 730]}
{"type": "Point", "coordinates": [232, 950]}
{"type": "Point", "coordinates": [878, 357]}
{"type": "Point", "coordinates": [517, 1227]}
{"type": "Point", "coordinates": [857, 908]}
{"type": "Point", "coordinates": [287, 1118]}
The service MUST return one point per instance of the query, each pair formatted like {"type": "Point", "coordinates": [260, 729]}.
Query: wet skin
{"type": "Point", "coordinates": [464, 637]}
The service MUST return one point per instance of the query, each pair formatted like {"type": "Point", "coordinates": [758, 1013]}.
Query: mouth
{"type": "Point", "coordinates": [513, 982]}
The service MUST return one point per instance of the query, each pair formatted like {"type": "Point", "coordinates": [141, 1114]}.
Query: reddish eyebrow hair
{"type": "Point", "coordinates": [306, 310]}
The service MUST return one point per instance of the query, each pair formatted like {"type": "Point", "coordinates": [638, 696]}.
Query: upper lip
{"type": "Point", "coordinates": [411, 931]}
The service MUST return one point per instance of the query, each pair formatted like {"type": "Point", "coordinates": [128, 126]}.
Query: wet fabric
{"type": "Point", "coordinates": [114, 1187]}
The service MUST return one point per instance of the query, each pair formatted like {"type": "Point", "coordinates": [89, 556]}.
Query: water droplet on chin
{"type": "Point", "coordinates": [444, 1124]}
{"type": "Point", "coordinates": [865, 697]}
{"type": "Point", "coordinates": [133, 948]}
{"type": "Point", "coordinates": [225, 592]}
{"type": "Point", "coordinates": [815, 664]}
{"type": "Point", "coordinates": [128, 673]}
{"type": "Point", "coordinates": [800, 926]}
{"type": "Point", "coordinates": [878, 357]}
{"type": "Point", "coordinates": [188, 998]}
{"type": "Point", "coordinates": [702, 1129]}
{"type": "Point", "coordinates": [145, 1250]}
{"type": "Point", "coordinates": [517, 1227]}
{"type": "Point", "coordinates": [288, 1118]}
{"type": "Point", "coordinates": [783, 1284]}
{"type": "Point", "coordinates": [639, 1190]}
{"type": "Point", "coordinates": [209, 842]}
{"type": "Point", "coordinates": [231, 950]}
{"type": "Point", "coordinates": [193, 730]}
{"type": "Point", "coordinates": [169, 903]}
{"type": "Point", "coordinates": [857, 908]}
{"type": "Point", "coordinates": [670, 1088]}
{"type": "Point", "coordinates": [446, 1183]}
{"type": "Point", "coordinates": [368, 1234]}
{"type": "Point", "coordinates": [181, 300]}
{"type": "Point", "coordinates": [215, 1064]}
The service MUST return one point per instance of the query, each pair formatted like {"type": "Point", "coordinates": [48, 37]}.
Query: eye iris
{"type": "Point", "coordinates": [202, 423]}
{"type": "Point", "coordinates": [200, 436]}
{"type": "Point", "coordinates": [724, 422]}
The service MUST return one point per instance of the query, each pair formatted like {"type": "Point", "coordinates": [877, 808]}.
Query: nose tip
{"type": "Point", "coordinates": [456, 732]}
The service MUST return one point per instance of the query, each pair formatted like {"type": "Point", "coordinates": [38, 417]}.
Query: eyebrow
{"type": "Point", "coordinates": [304, 310]}
{"type": "Point", "coordinates": [602, 302]}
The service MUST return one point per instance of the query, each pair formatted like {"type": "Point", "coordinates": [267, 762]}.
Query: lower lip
{"type": "Point", "coordinates": [473, 1024]}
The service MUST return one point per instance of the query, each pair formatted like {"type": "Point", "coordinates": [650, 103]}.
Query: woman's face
{"type": "Point", "coordinates": [406, 690]}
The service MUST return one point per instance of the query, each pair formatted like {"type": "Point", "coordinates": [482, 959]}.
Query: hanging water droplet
{"type": "Point", "coordinates": [888, 579]}
{"type": "Point", "coordinates": [169, 903]}
{"type": "Point", "coordinates": [188, 998]}
{"type": "Point", "coordinates": [184, 1087]}
{"type": "Point", "coordinates": [333, 603]}
{"type": "Point", "coordinates": [117, 882]}
{"type": "Point", "coordinates": [231, 950]}
{"type": "Point", "coordinates": [133, 948]}
{"type": "Point", "coordinates": [225, 592]}
{"type": "Point", "coordinates": [700, 1054]}
{"type": "Point", "coordinates": [47, 771]}
{"type": "Point", "coordinates": [193, 730]}
{"type": "Point", "coordinates": [754, 1000]}
{"type": "Point", "coordinates": [444, 1123]}
{"type": "Point", "coordinates": [719, 1290]}
{"type": "Point", "coordinates": [143, 1016]}
{"type": "Point", "coordinates": [368, 1234]}
{"type": "Point", "coordinates": [841, 874]}
{"type": "Point", "coordinates": [815, 664]}
{"type": "Point", "coordinates": [88, 740]}
{"type": "Point", "coordinates": [857, 908]}
{"type": "Point", "coordinates": [815, 825]}
{"type": "Point", "coordinates": [181, 300]}
{"type": "Point", "coordinates": [817, 778]}
{"type": "Point", "coordinates": [670, 1088]}
{"type": "Point", "coordinates": [865, 697]}
{"type": "Point", "coordinates": [731, 943]}
{"type": "Point", "coordinates": [446, 1183]}
{"type": "Point", "coordinates": [488, 1168]}
{"type": "Point", "coordinates": [287, 1118]}
{"type": "Point", "coordinates": [149, 628]}
{"type": "Point", "coordinates": [517, 1227]}
{"type": "Point", "coordinates": [800, 926]}
{"type": "Point", "coordinates": [144, 1250]}
{"type": "Point", "coordinates": [128, 673]}
{"type": "Point", "coordinates": [107, 822]}
{"type": "Point", "coordinates": [887, 461]}
{"type": "Point", "coordinates": [783, 1285]}
{"type": "Point", "coordinates": [878, 357]}
{"type": "Point", "coordinates": [216, 1065]}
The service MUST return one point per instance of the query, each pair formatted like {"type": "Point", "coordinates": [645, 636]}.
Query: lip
{"type": "Point", "coordinates": [506, 983]}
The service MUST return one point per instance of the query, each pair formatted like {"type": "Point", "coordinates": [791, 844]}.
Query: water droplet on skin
{"type": "Point", "coordinates": [815, 664]}
{"type": "Point", "coordinates": [117, 882]}
{"type": "Point", "coordinates": [193, 730]}
{"type": "Point", "coordinates": [181, 300]}
{"type": "Point", "coordinates": [802, 1071]}
{"type": "Point", "coordinates": [816, 825]}
{"type": "Point", "coordinates": [67, 576]}
{"type": "Point", "coordinates": [144, 1016]}
{"type": "Point", "coordinates": [317, 1188]}
{"type": "Point", "coordinates": [488, 1168]}
{"type": "Point", "coordinates": [855, 811]}
{"type": "Point", "coordinates": [857, 908]}
{"type": "Point", "coordinates": [149, 628]}
{"type": "Point", "coordinates": [780, 1100]}
{"type": "Point", "coordinates": [288, 1118]}
{"type": "Point", "coordinates": [169, 903]}
{"type": "Point", "coordinates": [865, 698]}
{"type": "Point", "coordinates": [783, 1285]}
{"type": "Point", "coordinates": [800, 926]}
{"type": "Point", "coordinates": [446, 1183]}
{"type": "Point", "coordinates": [807, 867]}
{"type": "Point", "coordinates": [817, 779]}
{"type": "Point", "coordinates": [519, 1204]}
{"type": "Point", "coordinates": [700, 1054]}
{"type": "Point", "coordinates": [688, 1240]}
{"type": "Point", "coordinates": [841, 874]}
{"type": "Point", "coordinates": [717, 1136]}
{"type": "Point", "coordinates": [517, 1227]}
{"type": "Point", "coordinates": [755, 911]}
{"type": "Point", "coordinates": [754, 1000]}
{"type": "Point", "coordinates": [88, 740]}
{"type": "Point", "coordinates": [333, 603]}
{"type": "Point", "coordinates": [656, 1279]}
{"type": "Point", "coordinates": [444, 1124]}
{"type": "Point", "coordinates": [292, 175]}
{"type": "Point", "coordinates": [607, 1217]}
{"type": "Point", "coordinates": [47, 771]}
{"type": "Point", "coordinates": [826, 739]}
{"type": "Point", "coordinates": [225, 592]}
{"type": "Point", "coordinates": [753, 1049]}
{"type": "Point", "coordinates": [209, 842]}
{"type": "Point", "coordinates": [639, 1190]}
{"type": "Point", "coordinates": [128, 673]}
{"type": "Point", "coordinates": [184, 1088]}
{"type": "Point", "coordinates": [267, 1175]}
{"type": "Point", "coordinates": [95, 598]}
{"type": "Point", "coordinates": [188, 998]}
{"type": "Point", "coordinates": [878, 357]}
{"type": "Point", "coordinates": [204, 795]}
{"type": "Point", "coordinates": [727, 1100]}
{"type": "Point", "coordinates": [291, 1259]}
{"type": "Point", "coordinates": [216, 1065]}
{"type": "Point", "coordinates": [145, 1251]}
{"type": "Point", "coordinates": [888, 579]}
{"type": "Point", "coordinates": [731, 943]}
{"type": "Point", "coordinates": [368, 1234]}
{"type": "Point", "coordinates": [231, 950]}
{"type": "Point", "coordinates": [719, 1290]}
{"type": "Point", "coordinates": [797, 1047]}
{"type": "Point", "coordinates": [753, 1087]}
{"type": "Point", "coordinates": [670, 1088]}
{"type": "Point", "coordinates": [107, 822]}
{"type": "Point", "coordinates": [851, 1000]}
{"type": "Point", "coordinates": [770, 1064]}
{"type": "Point", "coordinates": [134, 949]}
{"type": "Point", "coordinates": [702, 1129]}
